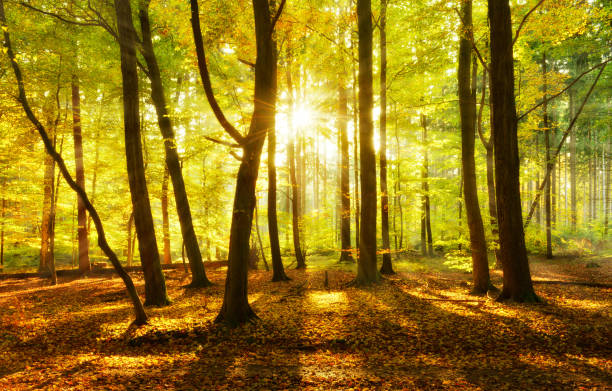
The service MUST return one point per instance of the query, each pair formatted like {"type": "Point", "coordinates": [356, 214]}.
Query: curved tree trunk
{"type": "Point", "coordinates": [155, 286]}
{"type": "Point", "coordinates": [517, 278]}
{"type": "Point", "coordinates": [141, 316]}
{"type": "Point", "coordinates": [387, 267]}
{"type": "Point", "coordinates": [198, 274]}
{"type": "Point", "coordinates": [467, 109]}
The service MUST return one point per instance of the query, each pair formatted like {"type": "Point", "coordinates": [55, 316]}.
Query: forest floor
{"type": "Point", "coordinates": [419, 329]}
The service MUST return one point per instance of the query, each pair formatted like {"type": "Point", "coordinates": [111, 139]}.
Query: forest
{"type": "Point", "coordinates": [305, 194]}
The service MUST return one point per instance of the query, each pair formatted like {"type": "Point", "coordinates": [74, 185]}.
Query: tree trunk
{"type": "Point", "coordinates": [165, 218]}
{"type": "Point", "coordinates": [517, 283]}
{"type": "Point", "coordinates": [84, 265]}
{"type": "Point", "coordinates": [356, 153]}
{"type": "Point", "coordinates": [141, 316]}
{"type": "Point", "coordinates": [46, 255]}
{"type": "Point", "coordinates": [606, 159]}
{"type": "Point", "coordinates": [236, 309]}
{"type": "Point", "coordinates": [198, 274]}
{"type": "Point", "coordinates": [426, 239]}
{"type": "Point", "coordinates": [573, 203]}
{"type": "Point", "coordinates": [367, 272]}
{"type": "Point", "coordinates": [278, 271]}
{"type": "Point", "coordinates": [387, 267]}
{"type": "Point", "coordinates": [155, 286]}
{"type": "Point", "coordinates": [549, 163]}
{"type": "Point", "coordinates": [467, 108]}
{"type": "Point", "coordinates": [295, 186]}
{"type": "Point", "coordinates": [345, 191]}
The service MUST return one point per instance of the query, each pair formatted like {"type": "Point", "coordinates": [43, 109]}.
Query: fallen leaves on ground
{"type": "Point", "coordinates": [411, 331]}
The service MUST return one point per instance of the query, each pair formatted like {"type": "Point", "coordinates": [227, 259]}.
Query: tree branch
{"type": "Point", "coordinates": [199, 45]}
{"type": "Point", "coordinates": [554, 158]}
{"type": "Point", "coordinates": [277, 15]}
{"type": "Point", "coordinates": [563, 90]}
{"type": "Point", "coordinates": [485, 142]}
{"type": "Point", "coordinates": [518, 30]}
{"type": "Point", "coordinates": [214, 140]}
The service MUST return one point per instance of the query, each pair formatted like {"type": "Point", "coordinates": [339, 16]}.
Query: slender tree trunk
{"type": "Point", "coordinates": [46, 256]}
{"type": "Point", "coordinates": [426, 238]}
{"type": "Point", "coordinates": [517, 278]}
{"type": "Point", "coordinates": [165, 218]}
{"type": "Point", "coordinates": [263, 253]}
{"type": "Point", "coordinates": [606, 159]}
{"type": "Point", "coordinates": [2, 223]}
{"type": "Point", "coordinates": [573, 203]}
{"type": "Point", "coordinates": [554, 184]}
{"type": "Point", "coordinates": [467, 108]}
{"type": "Point", "coordinates": [141, 316]}
{"type": "Point", "coordinates": [549, 163]}
{"type": "Point", "coordinates": [155, 286]}
{"type": "Point", "coordinates": [356, 153]}
{"type": "Point", "coordinates": [345, 195]}
{"type": "Point", "coordinates": [84, 265]}
{"type": "Point", "coordinates": [295, 186]}
{"type": "Point", "coordinates": [387, 267]}
{"type": "Point", "coordinates": [367, 272]}
{"type": "Point", "coordinates": [130, 242]}
{"type": "Point", "coordinates": [398, 183]}
{"type": "Point", "coordinates": [198, 274]}
{"type": "Point", "coordinates": [278, 271]}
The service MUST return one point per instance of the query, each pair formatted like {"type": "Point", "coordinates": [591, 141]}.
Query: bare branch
{"type": "Point", "coordinates": [199, 44]}
{"type": "Point", "coordinates": [563, 90]}
{"type": "Point", "coordinates": [214, 140]}
{"type": "Point", "coordinates": [252, 65]}
{"type": "Point", "coordinates": [277, 15]}
{"type": "Point", "coordinates": [554, 158]}
{"type": "Point", "coordinates": [518, 30]}
{"type": "Point", "coordinates": [470, 36]}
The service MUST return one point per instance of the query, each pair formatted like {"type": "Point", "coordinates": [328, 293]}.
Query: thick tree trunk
{"type": "Point", "coordinates": [345, 191]}
{"type": "Point", "coordinates": [356, 153]}
{"type": "Point", "coordinates": [198, 274]}
{"type": "Point", "coordinates": [517, 283]}
{"type": "Point", "coordinates": [296, 217]}
{"type": "Point", "coordinates": [141, 316]}
{"type": "Point", "coordinates": [84, 265]}
{"type": "Point", "coordinates": [165, 217]}
{"type": "Point", "coordinates": [549, 163]}
{"type": "Point", "coordinates": [367, 272]}
{"type": "Point", "coordinates": [387, 267]}
{"type": "Point", "coordinates": [155, 286]}
{"type": "Point", "coordinates": [467, 108]}
{"type": "Point", "coordinates": [236, 309]}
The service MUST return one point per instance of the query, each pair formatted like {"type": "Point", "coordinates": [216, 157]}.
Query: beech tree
{"type": "Point", "coordinates": [517, 284]}
{"type": "Point", "coordinates": [236, 309]}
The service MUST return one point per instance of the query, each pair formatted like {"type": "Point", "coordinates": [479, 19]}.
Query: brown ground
{"type": "Point", "coordinates": [412, 331]}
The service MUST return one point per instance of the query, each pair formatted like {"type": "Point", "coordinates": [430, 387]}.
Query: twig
{"type": "Point", "coordinates": [214, 140]}
{"type": "Point", "coordinates": [277, 15]}
{"type": "Point", "coordinates": [518, 30]}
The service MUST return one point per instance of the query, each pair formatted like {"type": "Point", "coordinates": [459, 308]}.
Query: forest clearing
{"type": "Point", "coordinates": [419, 329]}
{"type": "Point", "coordinates": [306, 194]}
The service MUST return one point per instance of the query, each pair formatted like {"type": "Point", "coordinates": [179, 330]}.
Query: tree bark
{"type": "Point", "coordinates": [83, 240]}
{"type": "Point", "coordinates": [155, 286]}
{"type": "Point", "coordinates": [573, 203]}
{"type": "Point", "coordinates": [165, 217]}
{"type": "Point", "coordinates": [141, 316]}
{"type": "Point", "coordinates": [549, 163]}
{"type": "Point", "coordinates": [295, 189]}
{"type": "Point", "coordinates": [467, 108]}
{"type": "Point", "coordinates": [345, 191]}
{"type": "Point", "coordinates": [426, 239]}
{"type": "Point", "coordinates": [367, 272]}
{"type": "Point", "coordinates": [236, 309]}
{"type": "Point", "coordinates": [278, 271]}
{"type": "Point", "coordinates": [387, 267]}
{"type": "Point", "coordinates": [198, 274]}
{"type": "Point", "coordinates": [517, 283]}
